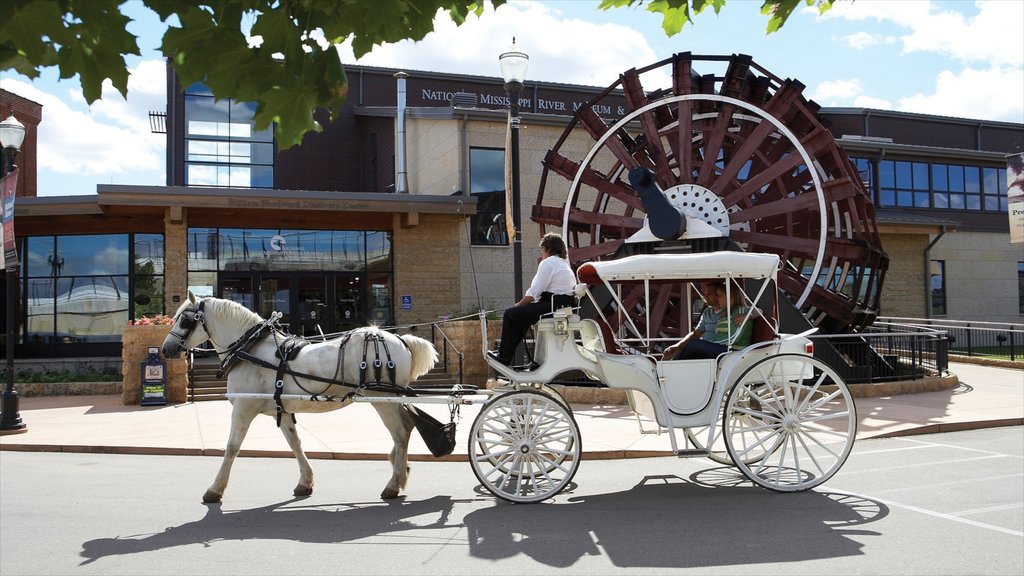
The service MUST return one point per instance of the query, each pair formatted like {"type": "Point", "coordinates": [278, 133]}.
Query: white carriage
{"type": "Point", "coordinates": [784, 418]}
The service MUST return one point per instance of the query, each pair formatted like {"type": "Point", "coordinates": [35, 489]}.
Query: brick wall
{"type": "Point", "coordinates": [30, 114]}
{"type": "Point", "coordinates": [903, 292]}
{"type": "Point", "coordinates": [427, 266]}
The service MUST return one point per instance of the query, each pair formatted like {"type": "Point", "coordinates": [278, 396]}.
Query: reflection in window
{"type": "Point", "coordinates": [487, 184]}
{"type": "Point", "coordinates": [85, 288]}
{"type": "Point", "coordinates": [91, 309]}
{"type": "Point", "coordinates": [251, 249]}
{"type": "Point", "coordinates": [940, 186]}
{"type": "Point", "coordinates": [147, 275]}
{"type": "Point", "coordinates": [379, 296]}
{"type": "Point", "coordinates": [222, 146]}
{"type": "Point", "coordinates": [938, 287]}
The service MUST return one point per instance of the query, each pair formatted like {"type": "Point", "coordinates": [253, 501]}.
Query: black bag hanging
{"type": "Point", "coordinates": [439, 438]}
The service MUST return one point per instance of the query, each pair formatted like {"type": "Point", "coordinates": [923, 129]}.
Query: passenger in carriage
{"type": "Point", "coordinates": [711, 336]}
{"type": "Point", "coordinates": [552, 287]}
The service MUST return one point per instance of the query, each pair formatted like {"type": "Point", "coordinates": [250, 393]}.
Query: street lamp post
{"type": "Point", "coordinates": [513, 71]}
{"type": "Point", "coordinates": [12, 134]}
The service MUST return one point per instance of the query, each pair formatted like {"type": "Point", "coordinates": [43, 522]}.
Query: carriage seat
{"type": "Point", "coordinates": [596, 335]}
{"type": "Point", "coordinates": [762, 330]}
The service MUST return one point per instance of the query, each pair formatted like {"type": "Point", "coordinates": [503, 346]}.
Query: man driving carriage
{"type": "Point", "coordinates": [551, 287]}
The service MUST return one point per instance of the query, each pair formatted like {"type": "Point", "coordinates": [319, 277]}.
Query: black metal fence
{"type": "Point", "coordinates": [884, 354]}
{"type": "Point", "coordinates": [966, 338]}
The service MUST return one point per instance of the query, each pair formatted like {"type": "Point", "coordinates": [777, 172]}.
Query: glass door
{"type": "Point", "coordinates": [348, 303]}
{"type": "Point", "coordinates": [312, 311]}
{"type": "Point", "coordinates": [275, 296]}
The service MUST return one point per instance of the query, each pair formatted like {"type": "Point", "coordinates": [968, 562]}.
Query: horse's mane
{"type": "Point", "coordinates": [233, 312]}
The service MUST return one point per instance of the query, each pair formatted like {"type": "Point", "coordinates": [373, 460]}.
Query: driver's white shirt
{"type": "Point", "coordinates": [553, 275]}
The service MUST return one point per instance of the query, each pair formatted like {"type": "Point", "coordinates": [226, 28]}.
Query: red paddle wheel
{"type": "Point", "coordinates": [737, 159]}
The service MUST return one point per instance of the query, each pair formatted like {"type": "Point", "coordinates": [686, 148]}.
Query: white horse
{"type": "Point", "coordinates": [228, 326]}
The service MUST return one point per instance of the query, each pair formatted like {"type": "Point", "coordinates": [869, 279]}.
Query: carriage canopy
{"type": "Point", "coordinates": [680, 267]}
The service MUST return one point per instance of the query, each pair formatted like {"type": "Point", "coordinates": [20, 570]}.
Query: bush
{"type": "Point", "coordinates": [47, 376]}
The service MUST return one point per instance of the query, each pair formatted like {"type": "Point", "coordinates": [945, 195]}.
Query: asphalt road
{"type": "Point", "coordinates": [936, 504]}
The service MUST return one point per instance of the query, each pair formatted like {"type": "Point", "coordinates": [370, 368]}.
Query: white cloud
{"type": "Point", "coordinates": [859, 40]}
{"type": "Point", "coordinates": [996, 93]}
{"type": "Point", "coordinates": [991, 35]}
{"type": "Point", "coordinates": [863, 101]}
{"type": "Point", "coordinates": [112, 137]}
{"type": "Point", "coordinates": [832, 91]}
{"type": "Point", "coordinates": [566, 50]}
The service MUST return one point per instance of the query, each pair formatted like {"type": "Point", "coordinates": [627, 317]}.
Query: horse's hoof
{"type": "Point", "coordinates": [303, 490]}
{"type": "Point", "coordinates": [389, 494]}
{"type": "Point", "coordinates": [211, 497]}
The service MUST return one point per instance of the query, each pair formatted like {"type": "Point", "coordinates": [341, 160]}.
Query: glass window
{"type": "Point", "coordinates": [920, 170]}
{"type": "Point", "coordinates": [91, 309]}
{"type": "Point", "coordinates": [378, 251]}
{"type": "Point", "coordinates": [487, 183]}
{"type": "Point", "coordinates": [379, 299]}
{"type": "Point", "coordinates": [92, 255]}
{"type": "Point", "coordinates": [40, 256]}
{"type": "Point", "coordinates": [972, 179]}
{"type": "Point", "coordinates": [39, 311]}
{"type": "Point", "coordinates": [940, 177]}
{"type": "Point", "coordinates": [223, 148]}
{"type": "Point", "coordinates": [149, 253]}
{"type": "Point", "coordinates": [938, 287]}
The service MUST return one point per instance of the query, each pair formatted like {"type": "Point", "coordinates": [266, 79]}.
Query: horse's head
{"type": "Point", "coordinates": [189, 329]}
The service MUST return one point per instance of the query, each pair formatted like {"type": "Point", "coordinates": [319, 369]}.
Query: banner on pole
{"type": "Point", "coordinates": [1015, 196]}
{"type": "Point", "coordinates": [510, 225]}
{"type": "Point", "coordinates": [9, 255]}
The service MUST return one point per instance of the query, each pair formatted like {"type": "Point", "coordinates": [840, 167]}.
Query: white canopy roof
{"type": "Point", "coordinates": [683, 267]}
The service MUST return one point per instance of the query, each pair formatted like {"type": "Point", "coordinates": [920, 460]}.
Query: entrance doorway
{"type": "Point", "coordinates": [310, 303]}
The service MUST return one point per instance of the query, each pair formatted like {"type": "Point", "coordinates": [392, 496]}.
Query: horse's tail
{"type": "Point", "coordinates": [424, 355]}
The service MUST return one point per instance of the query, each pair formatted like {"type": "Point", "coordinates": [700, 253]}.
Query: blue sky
{"type": "Point", "coordinates": [948, 58]}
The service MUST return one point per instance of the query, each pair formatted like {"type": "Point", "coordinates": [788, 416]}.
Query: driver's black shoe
{"type": "Point", "coordinates": [501, 360]}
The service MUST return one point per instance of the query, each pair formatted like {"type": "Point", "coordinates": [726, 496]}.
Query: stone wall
{"type": "Point", "coordinates": [903, 291]}
{"type": "Point", "coordinates": [465, 335]}
{"type": "Point", "coordinates": [135, 350]}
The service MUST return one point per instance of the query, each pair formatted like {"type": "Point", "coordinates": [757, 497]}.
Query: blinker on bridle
{"type": "Point", "coordinates": [188, 322]}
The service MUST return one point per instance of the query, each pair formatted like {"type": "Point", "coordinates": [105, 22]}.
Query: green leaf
{"type": "Point", "coordinates": [292, 111]}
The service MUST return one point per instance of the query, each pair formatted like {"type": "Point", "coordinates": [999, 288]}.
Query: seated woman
{"type": "Point", "coordinates": [693, 346]}
{"type": "Point", "coordinates": [552, 286]}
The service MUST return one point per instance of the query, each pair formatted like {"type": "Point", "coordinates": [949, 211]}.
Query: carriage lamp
{"type": "Point", "coordinates": [513, 70]}
{"type": "Point", "coordinates": [12, 134]}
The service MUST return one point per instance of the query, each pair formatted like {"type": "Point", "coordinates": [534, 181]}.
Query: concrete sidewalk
{"type": "Point", "coordinates": [985, 397]}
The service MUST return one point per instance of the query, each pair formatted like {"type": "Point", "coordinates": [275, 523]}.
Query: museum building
{"type": "Point", "coordinates": [402, 223]}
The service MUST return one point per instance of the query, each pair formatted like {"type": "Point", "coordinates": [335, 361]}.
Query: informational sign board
{"type": "Point", "coordinates": [406, 302]}
{"type": "Point", "coordinates": [154, 380]}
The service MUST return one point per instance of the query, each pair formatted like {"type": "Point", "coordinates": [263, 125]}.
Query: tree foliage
{"type": "Point", "coordinates": [278, 54]}
{"type": "Point", "coordinates": [678, 13]}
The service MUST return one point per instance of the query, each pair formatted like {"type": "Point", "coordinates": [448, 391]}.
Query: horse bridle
{"type": "Point", "coordinates": [188, 321]}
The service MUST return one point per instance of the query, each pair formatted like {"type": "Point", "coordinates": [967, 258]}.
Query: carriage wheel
{"type": "Point", "coordinates": [802, 422]}
{"type": "Point", "coordinates": [524, 446]}
{"type": "Point", "coordinates": [742, 152]}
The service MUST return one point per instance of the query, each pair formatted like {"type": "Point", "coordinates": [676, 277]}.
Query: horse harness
{"type": "Point", "coordinates": [288, 347]}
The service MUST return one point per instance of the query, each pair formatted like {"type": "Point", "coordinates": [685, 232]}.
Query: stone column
{"type": "Point", "coordinates": [175, 257]}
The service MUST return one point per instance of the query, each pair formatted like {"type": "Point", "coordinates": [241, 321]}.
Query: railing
{"type": "Point", "coordinates": [447, 344]}
{"type": "Point", "coordinates": [968, 338]}
{"type": "Point", "coordinates": [884, 354]}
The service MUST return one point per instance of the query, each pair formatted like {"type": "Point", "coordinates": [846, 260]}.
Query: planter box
{"type": "Point", "coordinates": [136, 342]}
{"type": "Point", "coordinates": [27, 389]}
